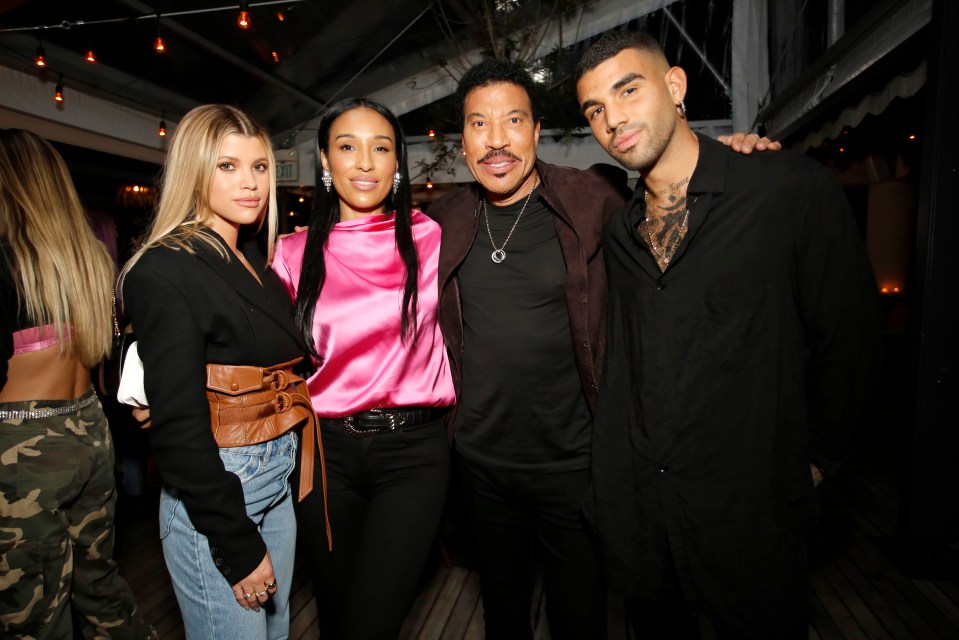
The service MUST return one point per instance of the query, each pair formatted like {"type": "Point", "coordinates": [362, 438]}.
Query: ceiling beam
{"type": "Point", "coordinates": [413, 91]}
{"type": "Point", "coordinates": [82, 119]}
{"type": "Point", "coordinates": [884, 28]}
{"type": "Point", "coordinates": [407, 94]}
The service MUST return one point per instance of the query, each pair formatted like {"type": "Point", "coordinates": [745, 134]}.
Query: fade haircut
{"type": "Point", "coordinates": [492, 71]}
{"type": "Point", "coordinates": [612, 44]}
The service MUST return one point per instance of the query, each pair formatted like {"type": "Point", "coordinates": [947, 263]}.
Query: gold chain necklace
{"type": "Point", "coordinates": [665, 254]}
{"type": "Point", "coordinates": [499, 255]}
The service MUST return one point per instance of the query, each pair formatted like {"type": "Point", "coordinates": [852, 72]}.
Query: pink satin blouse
{"type": "Point", "coordinates": [356, 325]}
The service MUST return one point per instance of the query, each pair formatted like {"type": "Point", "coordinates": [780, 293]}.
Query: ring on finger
{"type": "Point", "coordinates": [272, 585]}
{"type": "Point", "coordinates": [249, 596]}
{"type": "Point", "coordinates": [261, 593]}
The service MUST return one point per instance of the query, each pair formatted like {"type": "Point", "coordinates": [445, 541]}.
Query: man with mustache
{"type": "Point", "coordinates": [523, 295]}
{"type": "Point", "coordinates": [522, 308]}
{"type": "Point", "coordinates": [742, 331]}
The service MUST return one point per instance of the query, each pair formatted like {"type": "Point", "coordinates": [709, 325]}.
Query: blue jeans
{"type": "Point", "coordinates": [209, 608]}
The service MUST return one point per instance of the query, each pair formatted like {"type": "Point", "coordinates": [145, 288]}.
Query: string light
{"type": "Point", "coordinates": [276, 56]}
{"type": "Point", "coordinates": [58, 92]}
{"type": "Point", "coordinates": [158, 45]}
{"type": "Point", "coordinates": [90, 56]}
{"type": "Point", "coordinates": [41, 59]}
{"type": "Point", "coordinates": [244, 19]}
{"type": "Point", "coordinates": [432, 134]}
{"type": "Point", "coordinates": [162, 130]}
{"type": "Point", "coordinates": [67, 24]}
{"type": "Point", "coordinates": [429, 183]}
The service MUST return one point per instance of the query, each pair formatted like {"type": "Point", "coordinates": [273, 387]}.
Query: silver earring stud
{"type": "Point", "coordinates": [397, 178]}
{"type": "Point", "coordinates": [681, 108]}
{"type": "Point", "coordinates": [327, 180]}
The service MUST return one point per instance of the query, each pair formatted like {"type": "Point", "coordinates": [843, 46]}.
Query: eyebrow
{"type": "Point", "coordinates": [625, 80]}
{"type": "Point", "coordinates": [477, 114]}
{"type": "Point", "coordinates": [619, 84]}
{"type": "Point", "coordinates": [353, 135]}
{"type": "Point", "coordinates": [234, 158]}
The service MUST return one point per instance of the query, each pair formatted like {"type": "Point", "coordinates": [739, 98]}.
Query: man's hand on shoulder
{"type": "Point", "coordinates": [296, 229]}
{"type": "Point", "coordinates": [816, 474]}
{"type": "Point", "coordinates": [745, 143]}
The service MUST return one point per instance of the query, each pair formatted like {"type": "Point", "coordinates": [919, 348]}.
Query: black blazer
{"type": "Point", "coordinates": [190, 309]}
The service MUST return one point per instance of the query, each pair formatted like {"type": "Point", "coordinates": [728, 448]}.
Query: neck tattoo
{"type": "Point", "coordinates": [671, 227]}
{"type": "Point", "coordinates": [499, 255]}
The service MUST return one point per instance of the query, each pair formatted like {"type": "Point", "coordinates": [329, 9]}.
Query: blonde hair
{"type": "Point", "coordinates": [183, 210]}
{"type": "Point", "coordinates": [64, 273]}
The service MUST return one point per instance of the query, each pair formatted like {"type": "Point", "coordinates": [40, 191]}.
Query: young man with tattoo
{"type": "Point", "coordinates": [742, 327]}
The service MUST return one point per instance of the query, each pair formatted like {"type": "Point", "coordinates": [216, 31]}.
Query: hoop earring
{"type": "Point", "coordinates": [327, 179]}
{"type": "Point", "coordinates": [397, 178]}
{"type": "Point", "coordinates": [681, 108]}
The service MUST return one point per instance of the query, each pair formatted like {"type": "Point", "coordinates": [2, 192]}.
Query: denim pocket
{"type": "Point", "coordinates": [244, 462]}
{"type": "Point", "coordinates": [169, 504]}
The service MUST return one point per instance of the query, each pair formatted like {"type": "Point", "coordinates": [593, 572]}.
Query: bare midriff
{"type": "Point", "coordinates": [45, 374]}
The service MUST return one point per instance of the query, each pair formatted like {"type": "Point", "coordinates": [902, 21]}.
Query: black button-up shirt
{"type": "Point", "coordinates": [727, 374]}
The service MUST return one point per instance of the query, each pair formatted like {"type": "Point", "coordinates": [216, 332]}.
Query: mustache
{"type": "Point", "coordinates": [497, 153]}
{"type": "Point", "coordinates": [625, 130]}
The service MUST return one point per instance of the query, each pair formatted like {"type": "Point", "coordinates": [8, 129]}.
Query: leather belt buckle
{"type": "Point", "coordinates": [379, 421]}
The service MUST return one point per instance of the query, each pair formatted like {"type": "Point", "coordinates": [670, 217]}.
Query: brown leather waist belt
{"type": "Point", "coordinates": [250, 405]}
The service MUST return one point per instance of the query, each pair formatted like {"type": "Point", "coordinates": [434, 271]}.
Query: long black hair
{"type": "Point", "coordinates": [326, 213]}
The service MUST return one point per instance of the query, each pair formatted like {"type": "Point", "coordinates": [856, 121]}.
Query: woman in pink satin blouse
{"type": "Point", "coordinates": [363, 278]}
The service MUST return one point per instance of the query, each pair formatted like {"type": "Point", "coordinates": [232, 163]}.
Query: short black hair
{"type": "Point", "coordinates": [612, 44]}
{"type": "Point", "coordinates": [492, 71]}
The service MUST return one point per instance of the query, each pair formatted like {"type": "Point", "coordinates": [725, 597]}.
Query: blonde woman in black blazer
{"type": "Point", "coordinates": [226, 515]}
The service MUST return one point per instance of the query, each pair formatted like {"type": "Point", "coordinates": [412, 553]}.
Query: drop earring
{"type": "Point", "coordinates": [397, 178]}
{"type": "Point", "coordinates": [681, 108]}
{"type": "Point", "coordinates": [327, 180]}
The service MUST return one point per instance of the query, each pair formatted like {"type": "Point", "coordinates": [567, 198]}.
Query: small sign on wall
{"type": "Point", "coordinates": [287, 166]}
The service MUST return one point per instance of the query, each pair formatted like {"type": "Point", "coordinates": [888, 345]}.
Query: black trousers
{"type": "Point", "coordinates": [386, 497]}
{"type": "Point", "coordinates": [669, 616]}
{"type": "Point", "coordinates": [517, 518]}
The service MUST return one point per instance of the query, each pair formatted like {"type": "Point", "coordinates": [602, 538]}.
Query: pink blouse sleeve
{"type": "Point", "coordinates": [288, 261]}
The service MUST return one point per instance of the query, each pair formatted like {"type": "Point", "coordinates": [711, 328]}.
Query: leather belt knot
{"type": "Point", "coordinates": [250, 405]}
{"type": "Point", "coordinates": [282, 401]}
{"type": "Point", "coordinates": [279, 380]}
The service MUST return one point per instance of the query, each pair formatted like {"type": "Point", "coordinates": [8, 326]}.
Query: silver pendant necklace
{"type": "Point", "coordinates": [499, 254]}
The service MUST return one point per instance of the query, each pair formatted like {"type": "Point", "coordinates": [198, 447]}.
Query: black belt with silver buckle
{"type": "Point", "coordinates": [368, 423]}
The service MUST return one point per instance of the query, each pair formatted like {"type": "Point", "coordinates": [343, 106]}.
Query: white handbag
{"type": "Point", "coordinates": [130, 390]}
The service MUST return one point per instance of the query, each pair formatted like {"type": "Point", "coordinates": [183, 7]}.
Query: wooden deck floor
{"type": "Point", "coordinates": [855, 589]}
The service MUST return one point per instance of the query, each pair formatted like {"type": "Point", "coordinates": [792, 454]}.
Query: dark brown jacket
{"type": "Point", "coordinates": [583, 202]}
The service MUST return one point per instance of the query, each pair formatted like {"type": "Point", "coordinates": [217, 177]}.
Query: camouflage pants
{"type": "Point", "coordinates": [57, 504]}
